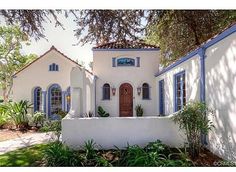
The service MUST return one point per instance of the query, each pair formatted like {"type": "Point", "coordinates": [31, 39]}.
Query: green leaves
{"type": "Point", "coordinates": [178, 32]}
{"type": "Point", "coordinates": [102, 112]}
{"type": "Point", "coordinates": [17, 112]}
{"type": "Point", "coordinates": [193, 119]}
{"type": "Point", "coordinates": [11, 59]}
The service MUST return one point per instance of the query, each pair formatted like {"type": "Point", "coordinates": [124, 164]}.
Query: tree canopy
{"type": "Point", "coordinates": [175, 31]}
{"type": "Point", "coordinates": [11, 59]}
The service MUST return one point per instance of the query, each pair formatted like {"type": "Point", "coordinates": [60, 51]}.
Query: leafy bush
{"type": "Point", "coordinates": [59, 155]}
{"type": "Point", "coordinates": [102, 112]}
{"type": "Point", "coordinates": [54, 126]}
{"type": "Point", "coordinates": [3, 119]}
{"type": "Point", "coordinates": [38, 119]}
{"type": "Point", "coordinates": [18, 112]}
{"type": "Point", "coordinates": [139, 110]}
{"type": "Point", "coordinates": [193, 119]}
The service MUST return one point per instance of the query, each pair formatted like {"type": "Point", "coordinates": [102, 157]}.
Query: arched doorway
{"type": "Point", "coordinates": [126, 100]}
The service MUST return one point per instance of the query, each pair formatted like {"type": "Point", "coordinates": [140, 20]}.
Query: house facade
{"type": "Point", "coordinates": [126, 74]}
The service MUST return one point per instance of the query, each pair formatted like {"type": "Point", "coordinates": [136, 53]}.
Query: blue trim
{"type": "Point", "coordinates": [175, 89]}
{"type": "Point", "coordinates": [49, 97]}
{"type": "Point", "coordinates": [126, 49]}
{"type": "Point", "coordinates": [113, 62]}
{"type": "Point", "coordinates": [202, 74]}
{"type": "Point", "coordinates": [161, 98]}
{"type": "Point", "coordinates": [44, 94]}
{"type": "Point", "coordinates": [138, 61]}
{"type": "Point", "coordinates": [213, 41]}
{"type": "Point", "coordinates": [35, 98]}
{"type": "Point", "coordinates": [63, 96]}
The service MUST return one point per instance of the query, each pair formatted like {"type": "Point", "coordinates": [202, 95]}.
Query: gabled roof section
{"type": "Point", "coordinates": [43, 55]}
{"type": "Point", "coordinates": [125, 44]}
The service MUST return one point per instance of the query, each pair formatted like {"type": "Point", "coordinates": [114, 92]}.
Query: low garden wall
{"type": "Point", "coordinates": [120, 131]}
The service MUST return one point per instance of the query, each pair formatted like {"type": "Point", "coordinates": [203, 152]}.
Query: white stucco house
{"type": "Point", "coordinates": [126, 74]}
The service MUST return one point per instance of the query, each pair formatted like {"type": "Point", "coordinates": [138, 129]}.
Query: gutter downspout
{"type": "Point", "coordinates": [201, 53]}
{"type": "Point", "coordinates": [95, 93]}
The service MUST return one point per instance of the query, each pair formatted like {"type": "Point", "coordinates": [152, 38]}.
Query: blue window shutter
{"type": "Point", "coordinates": [56, 67]}
{"type": "Point", "coordinates": [50, 67]}
{"type": "Point", "coordinates": [113, 62]}
{"type": "Point", "coordinates": [138, 61]}
{"type": "Point", "coordinates": [161, 98]}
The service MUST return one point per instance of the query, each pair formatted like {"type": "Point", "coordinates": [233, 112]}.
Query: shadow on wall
{"type": "Point", "coordinates": [221, 96]}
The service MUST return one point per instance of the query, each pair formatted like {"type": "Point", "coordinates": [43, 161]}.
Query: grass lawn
{"type": "Point", "coordinates": [25, 157]}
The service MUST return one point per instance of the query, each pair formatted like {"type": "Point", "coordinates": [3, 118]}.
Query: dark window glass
{"type": "Point", "coordinates": [145, 90]}
{"type": "Point", "coordinates": [106, 92]}
{"type": "Point", "coordinates": [37, 99]}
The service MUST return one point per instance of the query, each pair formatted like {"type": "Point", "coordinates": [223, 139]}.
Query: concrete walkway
{"type": "Point", "coordinates": [25, 141]}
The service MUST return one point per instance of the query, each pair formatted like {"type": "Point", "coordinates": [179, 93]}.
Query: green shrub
{"type": "Point", "coordinates": [139, 110]}
{"type": "Point", "coordinates": [59, 155]}
{"type": "Point", "coordinates": [102, 112]}
{"type": "Point", "coordinates": [3, 119]}
{"type": "Point", "coordinates": [38, 119]}
{"type": "Point", "coordinates": [17, 111]}
{"type": "Point", "coordinates": [54, 126]}
{"type": "Point", "coordinates": [193, 119]}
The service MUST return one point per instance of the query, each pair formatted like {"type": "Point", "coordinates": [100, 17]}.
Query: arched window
{"type": "Point", "coordinates": [106, 91]}
{"type": "Point", "coordinates": [37, 99]}
{"type": "Point", "coordinates": [53, 67]}
{"type": "Point", "coordinates": [146, 91]}
{"type": "Point", "coordinates": [68, 99]}
{"type": "Point", "coordinates": [54, 99]}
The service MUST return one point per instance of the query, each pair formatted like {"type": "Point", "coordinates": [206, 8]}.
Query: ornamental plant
{"type": "Point", "coordinates": [193, 119]}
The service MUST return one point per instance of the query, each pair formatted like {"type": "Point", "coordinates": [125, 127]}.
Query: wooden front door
{"type": "Point", "coordinates": [126, 100]}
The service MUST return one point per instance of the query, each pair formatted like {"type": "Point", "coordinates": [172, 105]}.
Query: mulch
{"type": "Point", "coordinates": [207, 159]}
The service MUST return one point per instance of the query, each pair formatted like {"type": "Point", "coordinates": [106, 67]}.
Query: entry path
{"type": "Point", "coordinates": [25, 141]}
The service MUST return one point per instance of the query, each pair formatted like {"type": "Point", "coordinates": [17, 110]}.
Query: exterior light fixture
{"type": "Point", "coordinates": [139, 90]}
{"type": "Point", "coordinates": [113, 90]}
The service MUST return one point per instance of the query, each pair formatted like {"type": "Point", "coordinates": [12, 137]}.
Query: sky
{"type": "Point", "coordinates": [63, 40]}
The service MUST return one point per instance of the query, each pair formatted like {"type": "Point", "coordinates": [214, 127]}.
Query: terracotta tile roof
{"type": "Point", "coordinates": [126, 44]}
{"type": "Point", "coordinates": [52, 48]}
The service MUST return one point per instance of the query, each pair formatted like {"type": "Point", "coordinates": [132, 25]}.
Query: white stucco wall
{"type": "Point", "coordinates": [119, 131]}
{"type": "Point", "coordinates": [220, 66]}
{"type": "Point", "coordinates": [192, 79]}
{"type": "Point", "coordinates": [136, 76]}
{"type": "Point", "coordinates": [38, 74]}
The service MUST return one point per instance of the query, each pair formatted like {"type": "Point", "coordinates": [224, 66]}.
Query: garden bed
{"type": "Point", "coordinates": [58, 155]}
{"type": "Point", "coordinates": [7, 134]}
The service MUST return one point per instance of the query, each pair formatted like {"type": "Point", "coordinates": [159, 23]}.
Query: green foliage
{"type": "Point", "coordinates": [17, 112]}
{"type": "Point", "coordinates": [178, 32]}
{"type": "Point", "coordinates": [38, 119]}
{"type": "Point", "coordinates": [11, 59]}
{"type": "Point", "coordinates": [25, 157]}
{"type": "Point", "coordinates": [102, 112]}
{"type": "Point", "coordinates": [61, 113]}
{"type": "Point", "coordinates": [59, 155]}
{"type": "Point", "coordinates": [3, 118]}
{"type": "Point", "coordinates": [193, 119]}
{"type": "Point", "coordinates": [54, 126]}
{"type": "Point", "coordinates": [139, 110]}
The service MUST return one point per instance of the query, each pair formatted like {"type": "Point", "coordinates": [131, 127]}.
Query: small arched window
{"type": "Point", "coordinates": [37, 98]}
{"type": "Point", "coordinates": [146, 91]}
{"type": "Point", "coordinates": [106, 91]}
{"type": "Point", "coordinates": [53, 67]}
